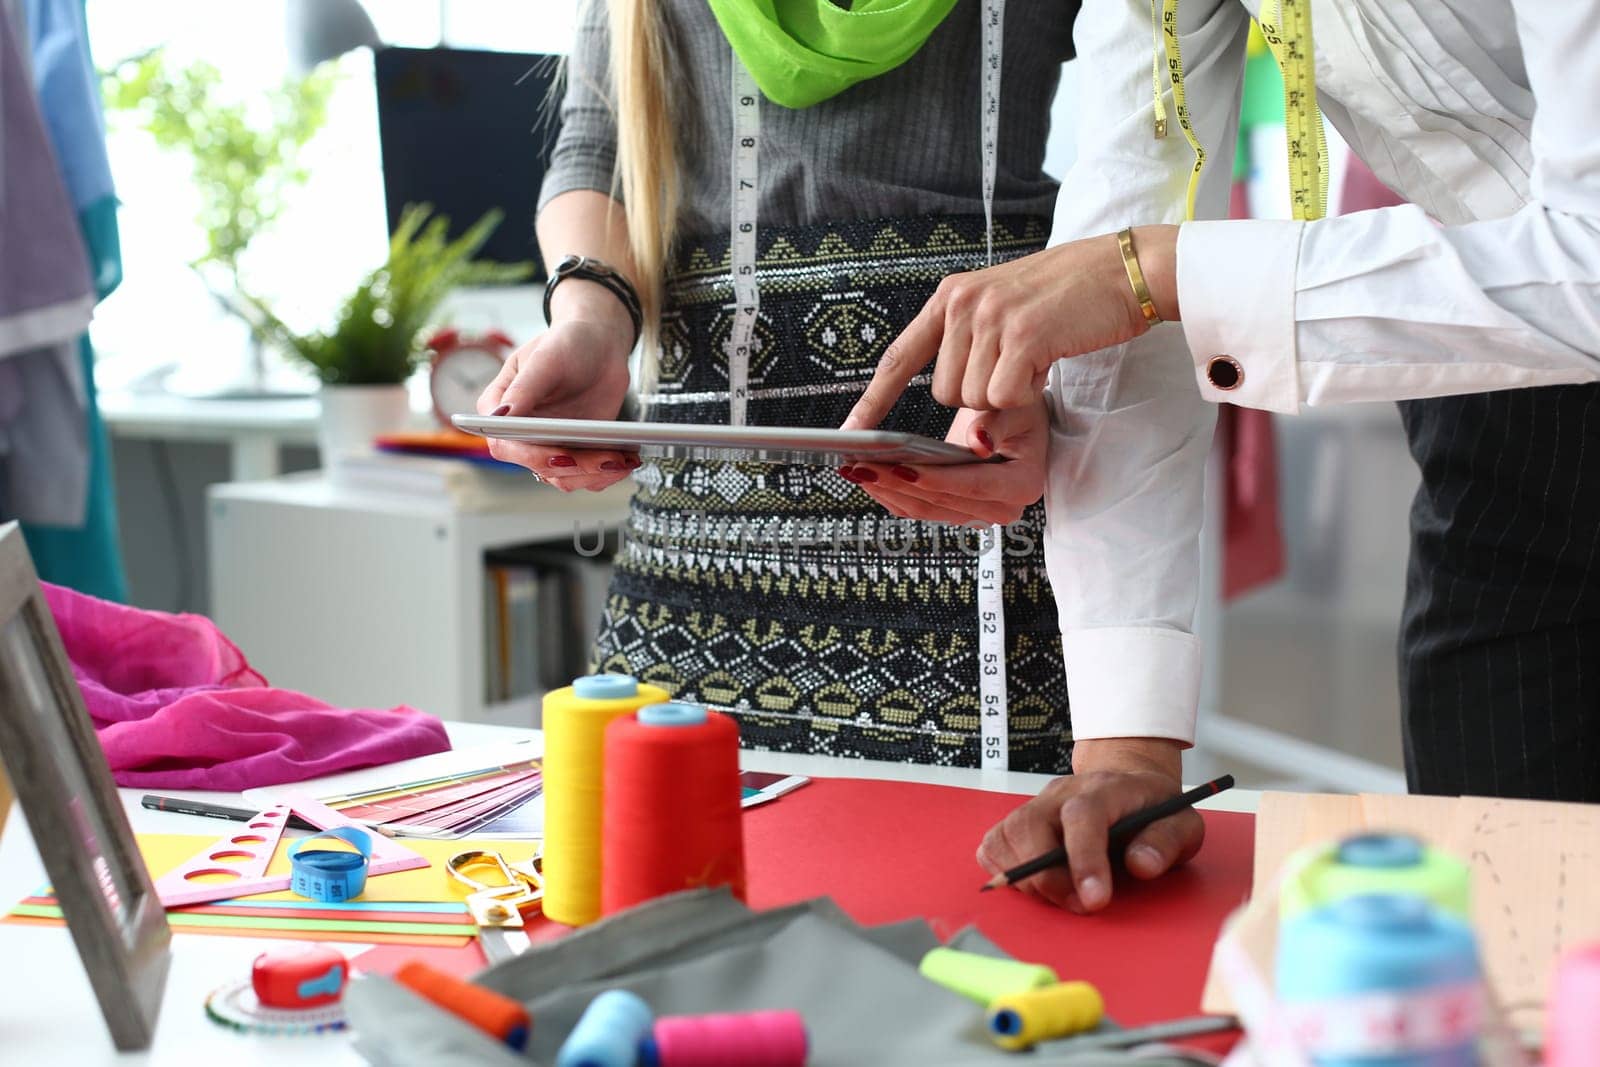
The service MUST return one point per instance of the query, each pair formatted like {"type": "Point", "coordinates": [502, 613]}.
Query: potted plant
{"type": "Point", "coordinates": [376, 341]}
{"type": "Point", "coordinates": [245, 159]}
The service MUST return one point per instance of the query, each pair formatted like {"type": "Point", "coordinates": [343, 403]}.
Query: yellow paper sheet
{"type": "Point", "coordinates": [1535, 866]}
{"type": "Point", "coordinates": [166, 852]}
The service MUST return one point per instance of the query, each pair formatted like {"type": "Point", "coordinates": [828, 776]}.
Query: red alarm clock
{"type": "Point", "coordinates": [461, 368]}
{"type": "Point", "coordinates": [299, 979]}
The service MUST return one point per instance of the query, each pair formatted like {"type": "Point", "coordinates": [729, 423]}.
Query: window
{"type": "Point", "coordinates": [162, 325]}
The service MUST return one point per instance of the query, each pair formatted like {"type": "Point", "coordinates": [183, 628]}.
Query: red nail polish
{"type": "Point", "coordinates": [611, 465]}
{"type": "Point", "coordinates": [864, 474]}
{"type": "Point", "coordinates": [633, 463]}
{"type": "Point", "coordinates": [985, 440]}
{"type": "Point", "coordinates": [503, 409]}
{"type": "Point", "coordinates": [847, 473]}
{"type": "Point", "coordinates": [563, 461]}
{"type": "Point", "coordinates": [905, 474]}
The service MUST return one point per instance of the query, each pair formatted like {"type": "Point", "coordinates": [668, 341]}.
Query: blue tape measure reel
{"type": "Point", "coordinates": [328, 874]}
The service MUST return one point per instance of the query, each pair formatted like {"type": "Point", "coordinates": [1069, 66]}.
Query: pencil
{"type": "Point", "coordinates": [185, 806]}
{"type": "Point", "coordinates": [1122, 831]}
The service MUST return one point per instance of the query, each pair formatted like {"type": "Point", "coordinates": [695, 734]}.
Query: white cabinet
{"type": "Point", "coordinates": [372, 599]}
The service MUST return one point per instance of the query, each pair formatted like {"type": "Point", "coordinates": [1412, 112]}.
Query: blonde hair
{"type": "Point", "coordinates": [647, 165]}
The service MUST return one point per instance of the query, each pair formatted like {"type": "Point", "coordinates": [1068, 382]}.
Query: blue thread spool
{"type": "Point", "coordinates": [1369, 944]}
{"type": "Point", "coordinates": [605, 687]}
{"type": "Point", "coordinates": [608, 1033]}
{"type": "Point", "coordinates": [675, 713]}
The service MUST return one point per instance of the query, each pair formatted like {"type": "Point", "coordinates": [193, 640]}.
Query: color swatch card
{"type": "Point", "coordinates": [493, 791]}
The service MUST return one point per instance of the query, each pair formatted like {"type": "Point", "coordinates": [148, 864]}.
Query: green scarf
{"type": "Point", "coordinates": [802, 52]}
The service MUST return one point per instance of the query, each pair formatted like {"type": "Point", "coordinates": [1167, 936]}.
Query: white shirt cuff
{"type": "Point", "coordinates": [1236, 288]}
{"type": "Point", "coordinates": [1132, 681]}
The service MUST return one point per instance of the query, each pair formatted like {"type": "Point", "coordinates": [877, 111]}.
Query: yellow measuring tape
{"type": "Point", "coordinates": [1286, 27]}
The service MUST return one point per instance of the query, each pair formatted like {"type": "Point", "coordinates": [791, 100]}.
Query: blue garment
{"type": "Point", "coordinates": [88, 557]}
{"type": "Point", "coordinates": [69, 95]}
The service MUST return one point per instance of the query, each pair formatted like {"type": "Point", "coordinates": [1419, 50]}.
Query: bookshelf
{"type": "Point", "coordinates": [367, 598]}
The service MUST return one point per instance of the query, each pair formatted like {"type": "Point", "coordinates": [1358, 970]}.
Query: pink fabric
{"type": "Point", "coordinates": [177, 706]}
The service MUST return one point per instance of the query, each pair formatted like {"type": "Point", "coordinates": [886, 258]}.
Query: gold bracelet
{"type": "Point", "coordinates": [1141, 291]}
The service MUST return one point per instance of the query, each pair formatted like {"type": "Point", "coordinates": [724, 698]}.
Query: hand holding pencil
{"type": "Point", "coordinates": [1077, 813]}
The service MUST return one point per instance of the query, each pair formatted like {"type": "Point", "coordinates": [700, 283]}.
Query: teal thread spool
{"type": "Point", "coordinates": [1376, 863]}
{"type": "Point", "coordinates": [608, 1033]}
{"type": "Point", "coordinates": [983, 978]}
{"type": "Point", "coordinates": [1381, 981]}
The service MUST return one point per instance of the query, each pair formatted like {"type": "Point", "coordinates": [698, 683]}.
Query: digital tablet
{"type": "Point", "coordinates": [756, 444]}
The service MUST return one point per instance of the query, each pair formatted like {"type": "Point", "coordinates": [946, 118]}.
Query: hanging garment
{"type": "Point", "coordinates": [177, 706]}
{"type": "Point", "coordinates": [86, 556]}
{"type": "Point", "coordinates": [46, 298]}
{"type": "Point", "coordinates": [45, 293]}
{"type": "Point", "coordinates": [44, 445]}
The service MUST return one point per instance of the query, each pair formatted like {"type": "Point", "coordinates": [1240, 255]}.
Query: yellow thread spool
{"type": "Point", "coordinates": [983, 978]}
{"type": "Point", "coordinates": [575, 720]}
{"type": "Point", "coordinates": [1375, 863]}
{"type": "Point", "coordinates": [1021, 1020]}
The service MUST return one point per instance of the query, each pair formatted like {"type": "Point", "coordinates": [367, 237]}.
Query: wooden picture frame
{"type": "Point", "coordinates": [63, 786]}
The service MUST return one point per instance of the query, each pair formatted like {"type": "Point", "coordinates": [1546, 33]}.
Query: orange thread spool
{"type": "Point", "coordinates": [484, 1008]}
{"type": "Point", "coordinates": [672, 816]}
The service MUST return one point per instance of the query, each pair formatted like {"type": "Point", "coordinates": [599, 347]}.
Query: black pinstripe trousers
{"type": "Point", "coordinates": [1500, 639]}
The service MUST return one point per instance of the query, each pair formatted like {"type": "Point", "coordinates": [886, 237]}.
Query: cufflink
{"type": "Point", "coordinates": [1224, 372]}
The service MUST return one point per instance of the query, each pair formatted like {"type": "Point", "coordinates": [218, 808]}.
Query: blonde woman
{"type": "Point", "coordinates": [784, 594]}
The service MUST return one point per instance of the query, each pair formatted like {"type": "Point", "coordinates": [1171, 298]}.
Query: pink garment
{"type": "Point", "coordinates": [177, 706]}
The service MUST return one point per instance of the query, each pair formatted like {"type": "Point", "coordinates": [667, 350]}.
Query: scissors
{"type": "Point", "coordinates": [498, 906]}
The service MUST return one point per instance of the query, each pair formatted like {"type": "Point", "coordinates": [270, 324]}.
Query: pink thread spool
{"type": "Point", "coordinates": [1572, 1031]}
{"type": "Point", "coordinates": [753, 1039]}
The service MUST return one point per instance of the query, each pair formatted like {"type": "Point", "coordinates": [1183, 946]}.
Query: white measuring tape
{"type": "Point", "coordinates": [746, 296]}
{"type": "Point", "coordinates": [995, 731]}
{"type": "Point", "coordinates": [994, 725]}
{"type": "Point", "coordinates": [1359, 1025]}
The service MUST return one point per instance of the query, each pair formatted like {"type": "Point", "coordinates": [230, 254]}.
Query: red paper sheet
{"type": "Point", "coordinates": [887, 851]}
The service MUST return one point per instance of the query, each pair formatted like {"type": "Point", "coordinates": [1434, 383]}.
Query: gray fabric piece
{"type": "Point", "coordinates": [848, 157]}
{"type": "Point", "coordinates": [44, 437]}
{"type": "Point", "coordinates": [46, 293]}
{"type": "Point", "coordinates": [858, 989]}
{"type": "Point", "coordinates": [394, 1027]}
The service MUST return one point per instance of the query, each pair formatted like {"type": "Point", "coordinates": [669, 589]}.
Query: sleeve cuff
{"type": "Point", "coordinates": [1132, 682]}
{"type": "Point", "coordinates": [1236, 286]}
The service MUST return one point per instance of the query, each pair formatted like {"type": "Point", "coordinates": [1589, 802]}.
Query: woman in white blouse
{"type": "Point", "coordinates": [1481, 114]}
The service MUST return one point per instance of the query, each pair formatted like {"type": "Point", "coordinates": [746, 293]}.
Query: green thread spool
{"type": "Point", "coordinates": [1379, 863]}
{"type": "Point", "coordinates": [983, 978]}
{"type": "Point", "coordinates": [1021, 1020]}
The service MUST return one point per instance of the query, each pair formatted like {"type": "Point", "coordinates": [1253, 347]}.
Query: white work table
{"type": "Point", "coordinates": [254, 430]}
{"type": "Point", "coordinates": [48, 1013]}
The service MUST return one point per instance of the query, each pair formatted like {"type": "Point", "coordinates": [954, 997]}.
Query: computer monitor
{"type": "Point", "coordinates": [467, 131]}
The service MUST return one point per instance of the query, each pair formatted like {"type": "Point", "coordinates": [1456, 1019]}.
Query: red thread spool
{"type": "Point", "coordinates": [754, 1039]}
{"type": "Point", "coordinates": [672, 815]}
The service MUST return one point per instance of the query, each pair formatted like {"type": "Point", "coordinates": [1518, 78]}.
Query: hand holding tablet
{"type": "Point", "coordinates": [762, 444]}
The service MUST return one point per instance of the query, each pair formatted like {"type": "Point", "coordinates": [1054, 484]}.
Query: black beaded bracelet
{"type": "Point", "coordinates": [593, 270]}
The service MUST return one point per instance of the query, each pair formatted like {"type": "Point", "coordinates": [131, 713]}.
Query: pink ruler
{"type": "Point", "coordinates": [236, 865]}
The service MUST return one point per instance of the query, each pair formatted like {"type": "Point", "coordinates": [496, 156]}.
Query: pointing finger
{"type": "Point", "coordinates": [906, 355]}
